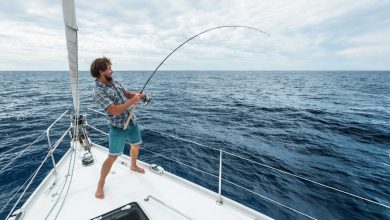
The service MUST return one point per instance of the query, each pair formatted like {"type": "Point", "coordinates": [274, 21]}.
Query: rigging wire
{"type": "Point", "coordinates": [28, 185]}
{"type": "Point", "coordinates": [50, 152]}
{"type": "Point", "coordinates": [21, 152]}
{"type": "Point", "coordinates": [18, 191]}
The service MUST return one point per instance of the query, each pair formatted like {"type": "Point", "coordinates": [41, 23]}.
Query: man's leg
{"type": "Point", "coordinates": [103, 174]}
{"type": "Point", "coordinates": [134, 150]}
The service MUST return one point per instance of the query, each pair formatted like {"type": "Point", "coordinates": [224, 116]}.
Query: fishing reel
{"type": "Point", "coordinates": [146, 99]}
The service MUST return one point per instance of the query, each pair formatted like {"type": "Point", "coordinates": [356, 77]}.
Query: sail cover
{"type": "Point", "coordinates": [69, 13]}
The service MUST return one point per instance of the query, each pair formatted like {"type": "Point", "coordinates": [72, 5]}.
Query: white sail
{"type": "Point", "coordinates": [69, 13]}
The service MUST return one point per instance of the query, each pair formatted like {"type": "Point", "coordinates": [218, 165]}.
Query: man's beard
{"type": "Point", "coordinates": [108, 78]}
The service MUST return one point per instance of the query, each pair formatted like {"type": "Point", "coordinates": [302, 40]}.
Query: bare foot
{"type": "Point", "coordinates": [137, 169]}
{"type": "Point", "coordinates": [99, 193]}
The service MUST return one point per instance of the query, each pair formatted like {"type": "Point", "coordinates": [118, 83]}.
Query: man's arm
{"type": "Point", "coordinates": [117, 109]}
{"type": "Point", "coordinates": [129, 94]}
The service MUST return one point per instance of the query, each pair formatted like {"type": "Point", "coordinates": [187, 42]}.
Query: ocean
{"type": "Point", "coordinates": [332, 127]}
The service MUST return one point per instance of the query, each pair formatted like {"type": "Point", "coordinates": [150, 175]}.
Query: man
{"type": "Point", "coordinates": [115, 100]}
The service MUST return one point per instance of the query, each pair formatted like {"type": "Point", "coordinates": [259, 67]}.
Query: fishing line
{"type": "Point", "coordinates": [147, 99]}
{"type": "Point", "coordinates": [203, 32]}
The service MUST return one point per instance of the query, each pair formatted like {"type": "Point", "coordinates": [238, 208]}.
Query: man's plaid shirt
{"type": "Point", "coordinates": [106, 95]}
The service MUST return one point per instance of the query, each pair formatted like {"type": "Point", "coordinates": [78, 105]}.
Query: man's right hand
{"type": "Point", "coordinates": [136, 98]}
{"type": "Point", "coordinates": [117, 109]}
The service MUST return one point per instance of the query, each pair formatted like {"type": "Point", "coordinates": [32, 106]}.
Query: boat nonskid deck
{"type": "Point", "coordinates": [161, 196]}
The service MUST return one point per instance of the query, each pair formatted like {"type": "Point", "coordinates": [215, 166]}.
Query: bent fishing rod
{"type": "Point", "coordinates": [147, 99]}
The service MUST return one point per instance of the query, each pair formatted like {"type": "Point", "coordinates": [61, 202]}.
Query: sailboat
{"type": "Point", "coordinates": [67, 192]}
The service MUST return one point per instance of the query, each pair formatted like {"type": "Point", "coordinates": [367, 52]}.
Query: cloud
{"type": "Point", "coordinates": [139, 34]}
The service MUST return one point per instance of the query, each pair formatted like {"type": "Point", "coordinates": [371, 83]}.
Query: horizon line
{"type": "Point", "coordinates": [278, 70]}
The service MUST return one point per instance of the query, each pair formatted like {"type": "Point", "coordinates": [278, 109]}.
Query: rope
{"type": "Point", "coordinates": [20, 153]}
{"type": "Point", "coordinates": [63, 186]}
{"type": "Point", "coordinates": [70, 182]}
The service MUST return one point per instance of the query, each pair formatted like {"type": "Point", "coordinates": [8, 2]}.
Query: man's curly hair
{"type": "Point", "coordinates": [99, 64]}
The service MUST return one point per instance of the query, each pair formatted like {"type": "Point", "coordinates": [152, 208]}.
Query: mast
{"type": "Point", "coordinates": [69, 13]}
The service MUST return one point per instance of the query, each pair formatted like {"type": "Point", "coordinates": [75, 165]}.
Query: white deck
{"type": "Point", "coordinates": [124, 186]}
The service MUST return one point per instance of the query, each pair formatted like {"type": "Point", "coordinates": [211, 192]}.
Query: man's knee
{"type": "Point", "coordinates": [111, 159]}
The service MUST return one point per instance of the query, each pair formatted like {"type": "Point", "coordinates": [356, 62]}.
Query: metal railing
{"type": "Point", "coordinates": [29, 181]}
{"type": "Point", "coordinates": [219, 177]}
{"type": "Point", "coordinates": [49, 142]}
{"type": "Point", "coordinates": [168, 206]}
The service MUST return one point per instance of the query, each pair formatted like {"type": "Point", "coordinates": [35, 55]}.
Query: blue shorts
{"type": "Point", "coordinates": [118, 136]}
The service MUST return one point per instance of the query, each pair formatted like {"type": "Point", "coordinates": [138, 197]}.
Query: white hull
{"type": "Point", "coordinates": [182, 199]}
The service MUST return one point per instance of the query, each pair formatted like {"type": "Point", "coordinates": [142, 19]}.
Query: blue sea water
{"type": "Point", "coordinates": [332, 127]}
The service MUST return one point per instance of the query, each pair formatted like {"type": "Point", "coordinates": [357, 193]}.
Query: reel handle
{"type": "Point", "coordinates": [146, 99]}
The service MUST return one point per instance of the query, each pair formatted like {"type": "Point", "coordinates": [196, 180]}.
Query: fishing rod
{"type": "Point", "coordinates": [147, 98]}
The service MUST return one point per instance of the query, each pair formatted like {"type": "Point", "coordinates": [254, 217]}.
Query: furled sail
{"type": "Point", "coordinates": [69, 13]}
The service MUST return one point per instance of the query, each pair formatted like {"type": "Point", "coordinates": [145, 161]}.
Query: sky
{"type": "Point", "coordinates": [138, 35]}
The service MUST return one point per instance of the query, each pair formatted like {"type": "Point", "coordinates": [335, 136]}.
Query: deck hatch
{"type": "Point", "coordinates": [131, 211]}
